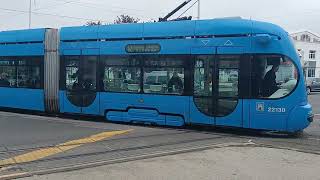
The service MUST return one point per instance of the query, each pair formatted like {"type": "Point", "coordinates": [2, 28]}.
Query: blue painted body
{"type": "Point", "coordinates": [22, 98]}
{"type": "Point", "coordinates": [17, 44]}
{"type": "Point", "coordinates": [260, 38]}
{"type": "Point", "coordinates": [213, 37]}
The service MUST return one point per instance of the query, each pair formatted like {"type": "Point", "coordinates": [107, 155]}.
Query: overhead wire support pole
{"type": "Point", "coordinates": [198, 9]}
{"type": "Point", "coordinates": [30, 13]}
{"type": "Point", "coordinates": [174, 11]}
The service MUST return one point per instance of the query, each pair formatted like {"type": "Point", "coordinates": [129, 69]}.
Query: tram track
{"type": "Point", "coordinates": [128, 158]}
{"type": "Point", "coordinates": [103, 143]}
{"type": "Point", "coordinates": [84, 165]}
{"type": "Point", "coordinates": [184, 131]}
{"type": "Point", "coordinates": [220, 140]}
{"type": "Point", "coordinates": [257, 141]}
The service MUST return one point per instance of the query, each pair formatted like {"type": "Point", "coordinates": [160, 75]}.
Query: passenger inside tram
{"type": "Point", "coordinates": [175, 83]}
{"type": "Point", "coordinates": [269, 82]}
{"type": "Point", "coordinates": [4, 82]}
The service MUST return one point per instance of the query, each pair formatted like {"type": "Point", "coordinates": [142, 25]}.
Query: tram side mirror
{"type": "Point", "coordinates": [263, 38]}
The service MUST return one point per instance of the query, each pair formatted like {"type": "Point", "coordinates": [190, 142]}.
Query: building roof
{"type": "Point", "coordinates": [305, 31]}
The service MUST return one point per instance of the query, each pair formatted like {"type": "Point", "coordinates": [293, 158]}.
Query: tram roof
{"type": "Point", "coordinates": [170, 29]}
{"type": "Point", "coordinates": [213, 27]}
{"type": "Point", "coordinates": [22, 36]}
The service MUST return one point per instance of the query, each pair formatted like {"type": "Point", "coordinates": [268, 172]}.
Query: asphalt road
{"type": "Point", "coordinates": [314, 99]}
{"type": "Point", "coordinates": [37, 145]}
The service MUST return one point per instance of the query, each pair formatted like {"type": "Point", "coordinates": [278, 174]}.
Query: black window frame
{"type": "Point", "coordinates": [214, 65]}
{"type": "Point", "coordinates": [141, 64]}
{"type": "Point", "coordinates": [103, 65]}
{"type": "Point", "coordinates": [253, 57]}
{"type": "Point", "coordinates": [186, 64]}
{"type": "Point", "coordinates": [36, 61]}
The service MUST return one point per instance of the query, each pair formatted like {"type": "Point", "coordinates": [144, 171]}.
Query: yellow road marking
{"type": "Point", "coordinates": [45, 152]}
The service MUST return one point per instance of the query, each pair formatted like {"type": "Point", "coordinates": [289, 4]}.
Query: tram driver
{"type": "Point", "coordinates": [175, 83]}
{"type": "Point", "coordinates": [269, 81]}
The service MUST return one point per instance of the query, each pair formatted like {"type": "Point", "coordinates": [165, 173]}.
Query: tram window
{"type": "Point", "coordinates": [228, 76]}
{"type": "Point", "coordinates": [89, 72]}
{"type": "Point", "coordinates": [225, 106]}
{"type": "Point", "coordinates": [7, 75]}
{"type": "Point", "coordinates": [273, 76]}
{"type": "Point", "coordinates": [203, 76]}
{"type": "Point", "coordinates": [164, 74]}
{"type": "Point", "coordinates": [72, 70]}
{"type": "Point", "coordinates": [121, 79]}
{"type": "Point", "coordinates": [120, 74]}
{"type": "Point", "coordinates": [203, 71]}
{"type": "Point", "coordinates": [28, 77]}
{"type": "Point", "coordinates": [21, 72]}
{"type": "Point", "coordinates": [163, 80]}
{"type": "Point", "coordinates": [120, 61]}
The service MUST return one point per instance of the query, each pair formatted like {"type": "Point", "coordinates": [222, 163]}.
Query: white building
{"type": "Point", "coordinates": [308, 46]}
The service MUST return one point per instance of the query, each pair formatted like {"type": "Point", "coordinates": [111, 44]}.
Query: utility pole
{"type": "Point", "coordinates": [30, 14]}
{"type": "Point", "coordinates": [198, 9]}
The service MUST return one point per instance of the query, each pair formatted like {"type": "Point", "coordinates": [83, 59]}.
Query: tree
{"type": "Point", "coordinates": [125, 19]}
{"type": "Point", "coordinates": [93, 23]}
{"type": "Point", "coordinates": [119, 20]}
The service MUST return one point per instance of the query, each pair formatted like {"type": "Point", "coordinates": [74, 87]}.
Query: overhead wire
{"type": "Point", "coordinates": [99, 5]}
{"type": "Point", "coordinates": [188, 9]}
{"type": "Point", "coordinates": [48, 14]}
{"type": "Point", "coordinates": [47, 7]}
{"type": "Point", "coordinates": [78, 3]}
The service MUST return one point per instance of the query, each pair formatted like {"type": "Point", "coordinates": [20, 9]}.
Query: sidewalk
{"type": "Point", "coordinates": [243, 163]}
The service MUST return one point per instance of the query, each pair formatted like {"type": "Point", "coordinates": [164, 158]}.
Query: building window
{"type": "Point", "coordinates": [311, 72]}
{"type": "Point", "coordinates": [315, 40]}
{"type": "Point", "coordinates": [295, 38]}
{"type": "Point", "coordinates": [312, 54]}
{"type": "Point", "coordinates": [305, 37]}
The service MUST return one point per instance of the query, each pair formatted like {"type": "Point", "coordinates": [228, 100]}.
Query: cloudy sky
{"type": "Point", "coordinates": [293, 15]}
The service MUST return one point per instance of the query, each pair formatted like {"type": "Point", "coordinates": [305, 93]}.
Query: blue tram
{"type": "Point", "coordinates": [220, 72]}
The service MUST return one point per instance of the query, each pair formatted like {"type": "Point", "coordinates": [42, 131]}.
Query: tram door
{"type": "Point", "coordinates": [229, 108]}
{"type": "Point", "coordinates": [216, 89]}
{"type": "Point", "coordinates": [81, 95]}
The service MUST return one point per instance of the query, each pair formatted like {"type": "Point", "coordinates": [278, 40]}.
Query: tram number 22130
{"type": "Point", "coordinates": [276, 110]}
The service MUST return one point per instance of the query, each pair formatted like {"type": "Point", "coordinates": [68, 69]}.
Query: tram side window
{"type": "Point", "coordinates": [228, 76]}
{"type": "Point", "coordinates": [203, 76]}
{"type": "Point", "coordinates": [202, 83]}
{"type": "Point", "coordinates": [20, 72]}
{"type": "Point", "coordinates": [228, 86]}
{"type": "Point", "coordinates": [7, 73]}
{"type": "Point", "coordinates": [72, 70]}
{"type": "Point", "coordinates": [28, 74]}
{"type": "Point", "coordinates": [120, 74]}
{"type": "Point", "coordinates": [273, 76]}
{"type": "Point", "coordinates": [163, 75]}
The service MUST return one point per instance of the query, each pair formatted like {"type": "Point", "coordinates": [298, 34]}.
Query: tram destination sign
{"type": "Point", "coordinates": [143, 48]}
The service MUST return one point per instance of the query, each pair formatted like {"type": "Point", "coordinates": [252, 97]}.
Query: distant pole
{"type": "Point", "coordinates": [198, 9]}
{"type": "Point", "coordinates": [29, 14]}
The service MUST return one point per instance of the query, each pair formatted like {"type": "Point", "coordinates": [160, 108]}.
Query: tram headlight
{"type": "Point", "coordinates": [310, 116]}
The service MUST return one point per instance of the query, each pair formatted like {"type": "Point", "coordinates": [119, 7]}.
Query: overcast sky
{"type": "Point", "coordinates": [293, 15]}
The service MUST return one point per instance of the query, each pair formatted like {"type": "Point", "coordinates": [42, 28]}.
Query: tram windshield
{"type": "Point", "coordinates": [274, 76]}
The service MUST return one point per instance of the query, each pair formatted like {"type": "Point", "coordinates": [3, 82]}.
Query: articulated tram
{"type": "Point", "coordinates": [219, 72]}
